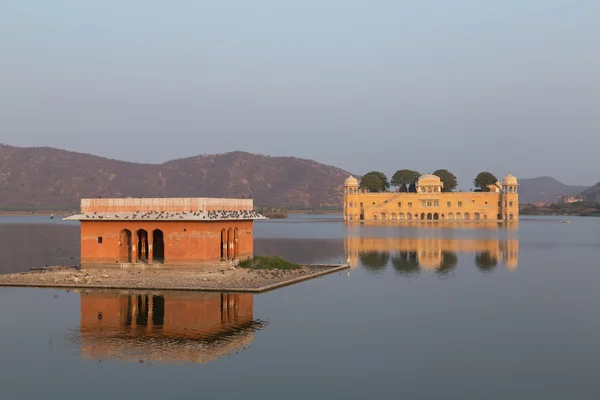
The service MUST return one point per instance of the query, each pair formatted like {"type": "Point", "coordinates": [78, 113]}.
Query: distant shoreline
{"type": "Point", "coordinates": [30, 213]}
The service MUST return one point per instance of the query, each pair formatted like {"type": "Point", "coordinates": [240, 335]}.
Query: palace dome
{"type": "Point", "coordinates": [510, 180]}
{"type": "Point", "coordinates": [429, 179]}
{"type": "Point", "coordinates": [351, 181]}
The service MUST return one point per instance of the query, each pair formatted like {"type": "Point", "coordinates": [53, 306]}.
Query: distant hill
{"type": "Point", "coordinates": [545, 189]}
{"type": "Point", "coordinates": [42, 178]}
{"type": "Point", "coordinates": [592, 193]}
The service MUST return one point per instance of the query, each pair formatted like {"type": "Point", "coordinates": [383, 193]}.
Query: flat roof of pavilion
{"type": "Point", "coordinates": [166, 216]}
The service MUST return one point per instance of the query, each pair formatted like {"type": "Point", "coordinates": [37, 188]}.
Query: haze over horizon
{"type": "Point", "coordinates": [383, 85]}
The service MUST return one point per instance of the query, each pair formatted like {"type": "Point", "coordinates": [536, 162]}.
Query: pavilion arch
{"type": "Point", "coordinates": [223, 244]}
{"type": "Point", "coordinates": [142, 245]}
{"type": "Point", "coordinates": [230, 245]}
{"type": "Point", "coordinates": [458, 216]}
{"type": "Point", "coordinates": [236, 244]}
{"type": "Point", "coordinates": [158, 246]}
{"type": "Point", "coordinates": [125, 246]}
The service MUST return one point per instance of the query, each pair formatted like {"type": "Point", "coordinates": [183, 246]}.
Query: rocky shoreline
{"type": "Point", "coordinates": [230, 279]}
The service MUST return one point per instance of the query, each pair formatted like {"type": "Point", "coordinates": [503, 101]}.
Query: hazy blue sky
{"type": "Point", "coordinates": [507, 85]}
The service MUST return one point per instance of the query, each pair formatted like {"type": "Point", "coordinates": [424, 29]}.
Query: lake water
{"type": "Point", "coordinates": [428, 311]}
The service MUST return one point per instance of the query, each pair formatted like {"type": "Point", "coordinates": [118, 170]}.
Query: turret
{"type": "Point", "coordinates": [510, 198]}
{"type": "Point", "coordinates": [350, 191]}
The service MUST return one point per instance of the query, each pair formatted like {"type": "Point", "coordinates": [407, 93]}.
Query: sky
{"type": "Point", "coordinates": [496, 85]}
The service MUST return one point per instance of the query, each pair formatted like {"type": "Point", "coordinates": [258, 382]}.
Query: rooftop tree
{"type": "Point", "coordinates": [384, 183]}
{"type": "Point", "coordinates": [372, 183]}
{"type": "Point", "coordinates": [484, 179]}
{"type": "Point", "coordinates": [403, 178]}
{"type": "Point", "coordinates": [448, 179]}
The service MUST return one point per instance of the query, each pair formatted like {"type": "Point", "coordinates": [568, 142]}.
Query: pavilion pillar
{"type": "Point", "coordinates": [134, 254]}
{"type": "Point", "coordinates": [150, 253]}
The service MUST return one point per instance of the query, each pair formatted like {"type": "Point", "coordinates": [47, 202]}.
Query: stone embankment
{"type": "Point", "coordinates": [231, 279]}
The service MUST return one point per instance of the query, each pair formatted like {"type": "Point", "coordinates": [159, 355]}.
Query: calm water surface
{"type": "Point", "coordinates": [429, 311]}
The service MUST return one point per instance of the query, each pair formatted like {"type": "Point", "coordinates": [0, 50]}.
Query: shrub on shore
{"type": "Point", "coordinates": [267, 262]}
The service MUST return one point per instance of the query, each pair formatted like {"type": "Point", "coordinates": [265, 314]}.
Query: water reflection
{"type": "Point", "coordinates": [409, 256]}
{"type": "Point", "coordinates": [169, 327]}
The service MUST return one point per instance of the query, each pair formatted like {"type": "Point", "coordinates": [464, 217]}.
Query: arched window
{"type": "Point", "coordinates": [467, 215]}
{"type": "Point", "coordinates": [383, 216]}
{"type": "Point", "coordinates": [458, 216]}
{"type": "Point", "coordinates": [450, 216]}
{"type": "Point", "coordinates": [429, 216]}
{"type": "Point", "coordinates": [485, 217]}
{"type": "Point", "coordinates": [422, 216]}
{"type": "Point", "coordinates": [436, 216]}
{"type": "Point", "coordinates": [393, 216]}
{"type": "Point", "coordinates": [476, 216]}
{"type": "Point", "coordinates": [409, 217]}
{"type": "Point", "coordinates": [401, 217]}
{"type": "Point", "coordinates": [374, 217]}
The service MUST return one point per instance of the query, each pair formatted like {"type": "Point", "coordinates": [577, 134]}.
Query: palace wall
{"type": "Point", "coordinates": [482, 206]}
{"type": "Point", "coordinates": [185, 243]}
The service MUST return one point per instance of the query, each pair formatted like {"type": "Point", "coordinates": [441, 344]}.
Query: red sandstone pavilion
{"type": "Point", "coordinates": [177, 232]}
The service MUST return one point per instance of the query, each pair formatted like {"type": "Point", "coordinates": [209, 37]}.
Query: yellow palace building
{"type": "Point", "coordinates": [430, 203]}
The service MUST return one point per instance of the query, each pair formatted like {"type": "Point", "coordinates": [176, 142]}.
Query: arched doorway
{"type": "Point", "coordinates": [450, 216]}
{"type": "Point", "coordinates": [436, 216]}
{"type": "Point", "coordinates": [223, 244]}
{"type": "Point", "coordinates": [409, 217]}
{"type": "Point", "coordinates": [429, 216]}
{"type": "Point", "coordinates": [477, 216]}
{"type": "Point", "coordinates": [236, 251]}
{"type": "Point", "coordinates": [125, 246]}
{"type": "Point", "coordinates": [458, 216]}
{"type": "Point", "coordinates": [467, 216]}
{"type": "Point", "coordinates": [142, 245]}
{"type": "Point", "coordinates": [422, 216]}
{"type": "Point", "coordinates": [229, 244]}
{"type": "Point", "coordinates": [158, 246]}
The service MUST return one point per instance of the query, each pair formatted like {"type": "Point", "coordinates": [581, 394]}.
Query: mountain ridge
{"type": "Point", "coordinates": [47, 178]}
{"type": "Point", "coordinates": [50, 178]}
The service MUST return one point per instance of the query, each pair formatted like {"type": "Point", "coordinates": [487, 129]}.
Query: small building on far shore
{"type": "Point", "coordinates": [169, 232]}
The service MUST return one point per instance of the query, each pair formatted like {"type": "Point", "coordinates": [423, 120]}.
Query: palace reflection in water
{"type": "Point", "coordinates": [408, 255]}
{"type": "Point", "coordinates": [165, 327]}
